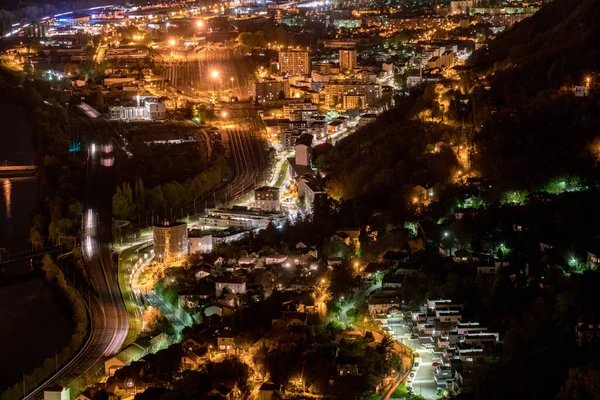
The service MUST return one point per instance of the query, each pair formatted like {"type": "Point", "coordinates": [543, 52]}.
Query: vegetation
{"type": "Point", "coordinates": [529, 92]}
{"type": "Point", "coordinates": [128, 203]}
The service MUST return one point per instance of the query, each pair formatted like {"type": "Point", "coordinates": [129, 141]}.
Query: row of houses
{"type": "Point", "coordinates": [457, 343]}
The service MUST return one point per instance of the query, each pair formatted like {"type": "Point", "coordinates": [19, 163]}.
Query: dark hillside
{"type": "Point", "coordinates": [556, 46]}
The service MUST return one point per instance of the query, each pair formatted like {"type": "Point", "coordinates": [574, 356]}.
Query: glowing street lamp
{"type": "Point", "coordinates": [172, 42]}
{"type": "Point", "coordinates": [215, 75]}
{"type": "Point", "coordinates": [200, 24]}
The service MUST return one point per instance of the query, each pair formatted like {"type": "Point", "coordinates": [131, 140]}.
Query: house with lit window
{"type": "Point", "coordinates": [346, 365]}
{"type": "Point", "coordinates": [226, 341]}
{"type": "Point", "coordinates": [236, 284]}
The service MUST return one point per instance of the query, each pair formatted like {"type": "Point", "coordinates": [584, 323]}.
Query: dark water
{"type": "Point", "coordinates": [31, 324]}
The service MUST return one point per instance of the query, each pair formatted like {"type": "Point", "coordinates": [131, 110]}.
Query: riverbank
{"type": "Point", "coordinates": [30, 306]}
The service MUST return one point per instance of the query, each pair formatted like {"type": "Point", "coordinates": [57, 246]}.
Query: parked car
{"type": "Point", "coordinates": [413, 336]}
{"type": "Point", "coordinates": [410, 390]}
{"type": "Point", "coordinates": [411, 375]}
{"type": "Point", "coordinates": [436, 364]}
{"type": "Point", "coordinates": [416, 365]}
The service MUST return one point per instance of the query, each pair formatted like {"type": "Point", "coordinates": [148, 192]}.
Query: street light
{"type": "Point", "coordinates": [172, 42]}
{"type": "Point", "coordinates": [215, 75]}
{"type": "Point", "coordinates": [200, 24]}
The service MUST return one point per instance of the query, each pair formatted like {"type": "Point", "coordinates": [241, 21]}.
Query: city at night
{"type": "Point", "coordinates": [299, 199]}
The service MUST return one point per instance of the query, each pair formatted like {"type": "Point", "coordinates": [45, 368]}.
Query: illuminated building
{"type": "Point", "coordinates": [294, 62]}
{"type": "Point", "coordinates": [170, 241]}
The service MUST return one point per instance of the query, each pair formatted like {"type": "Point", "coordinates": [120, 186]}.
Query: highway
{"type": "Point", "coordinates": [108, 317]}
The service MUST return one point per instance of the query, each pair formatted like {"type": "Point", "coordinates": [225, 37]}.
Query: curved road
{"type": "Point", "coordinates": [109, 320]}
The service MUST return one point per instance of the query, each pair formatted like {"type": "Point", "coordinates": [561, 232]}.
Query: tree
{"type": "Point", "coordinates": [122, 203]}
{"type": "Point", "coordinates": [140, 196]}
{"type": "Point", "coordinates": [99, 100]}
{"type": "Point", "coordinates": [167, 364]}
{"type": "Point", "coordinates": [321, 295]}
{"type": "Point", "coordinates": [35, 238]}
{"type": "Point", "coordinates": [158, 198]}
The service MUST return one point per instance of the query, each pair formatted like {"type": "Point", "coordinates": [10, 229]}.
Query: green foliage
{"type": "Point", "coordinates": [378, 165]}
{"type": "Point", "coordinates": [122, 203]}
{"type": "Point", "coordinates": [563, 184]}
{"type": "Point", "coordinates": [256, 39]}
{"type": "Point", "coordinates": [515, 197]}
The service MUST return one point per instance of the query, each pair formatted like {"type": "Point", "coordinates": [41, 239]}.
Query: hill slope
{"type": "Point", "coordinates": [558, 45]}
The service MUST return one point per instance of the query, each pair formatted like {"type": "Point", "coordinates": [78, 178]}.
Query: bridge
{"type": "Point", "coordinates": [11, 170]}
{"type": "Point", "coordinates": [26, 255]}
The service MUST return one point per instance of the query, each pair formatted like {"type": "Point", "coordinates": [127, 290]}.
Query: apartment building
{"type": "Point", "coordinates": [347, 59]}
{"type": "Point", "coordinates": [334, 92]}
{"type": "Point", "coordinates": [270, 90]}
{"type": "Point", "coordinates": [294, 62]}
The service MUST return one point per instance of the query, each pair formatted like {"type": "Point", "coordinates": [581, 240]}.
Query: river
{"type": "Point", "coordinates": [32, 325]}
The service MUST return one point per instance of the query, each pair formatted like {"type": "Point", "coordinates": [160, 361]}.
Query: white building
{"type": "Point", "coordinates": [448, 316]}
{"type": "Point", "coordinates": [482, 339]}
{"type": "Point", "coordinates": [155, 110]}
{"type": "Point", "coordinates": [151, 110]}
{"type": "Point", "coordinates": [56, 393]}
{"type": "Point", "coordinates": [275, 259]}
{"type": "Point", "coordinates": [383, 306]}
{"type": "Point", "coordinates": [304, 150]}
{"type": "Point", "coordinates": [202, 244]}
{"type": "Point", "coordinates": [235, 284]}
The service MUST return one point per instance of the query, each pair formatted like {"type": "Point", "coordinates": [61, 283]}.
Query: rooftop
{"type": "Point", "coordinates": [266, 189]}
{"type": "Point", "coordinates": [384, 301]}
{"type": "Point", "coordinates": [169, 224]}
{"type": "Point", "coordinates": [305, 139]}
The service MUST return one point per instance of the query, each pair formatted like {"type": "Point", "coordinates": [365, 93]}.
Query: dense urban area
{"type": "Point", "coordinates": [310, 199]}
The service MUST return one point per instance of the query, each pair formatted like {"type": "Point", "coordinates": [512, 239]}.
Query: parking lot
{"type": "Point", "coordinates": [423, 382]}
